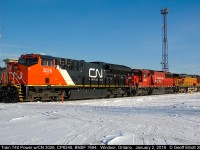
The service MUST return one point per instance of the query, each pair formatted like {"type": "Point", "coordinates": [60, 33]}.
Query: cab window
{"type": "Point", "coordinates": [28, 61]}
{"type": "Point", "coordinates": [46, 62]}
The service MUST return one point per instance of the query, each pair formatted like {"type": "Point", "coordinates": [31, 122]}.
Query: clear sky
{"type": "Point", "coordinates": [127, 32]}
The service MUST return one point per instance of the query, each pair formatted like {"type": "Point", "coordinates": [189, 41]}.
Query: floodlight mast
{"type": "Point", "coordinates": [164, 62]}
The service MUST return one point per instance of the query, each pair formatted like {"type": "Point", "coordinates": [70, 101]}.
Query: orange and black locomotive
{"type": "Point", "coordinates": [42, 77]}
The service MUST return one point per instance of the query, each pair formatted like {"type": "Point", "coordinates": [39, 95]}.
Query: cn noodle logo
{"type": "Point", "coordinates": [94, 73]}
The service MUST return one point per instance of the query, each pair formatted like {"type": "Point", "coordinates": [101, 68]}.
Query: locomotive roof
{"type": "Point", "coordinates": [111, 66]}
{"type": "Point", "coordinates": [99, 62]}
{"type": "Point", "coordinates": [52, 57]}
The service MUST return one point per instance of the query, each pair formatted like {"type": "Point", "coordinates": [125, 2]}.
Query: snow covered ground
{"type": "Point", "coordinates": [147, 120]}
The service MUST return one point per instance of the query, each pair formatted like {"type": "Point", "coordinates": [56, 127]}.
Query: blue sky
{"type": "Point", "coordinates": [127, 32]}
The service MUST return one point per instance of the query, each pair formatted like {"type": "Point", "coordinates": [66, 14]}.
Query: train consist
{"type": "Point", "coordinates": [45, 78]}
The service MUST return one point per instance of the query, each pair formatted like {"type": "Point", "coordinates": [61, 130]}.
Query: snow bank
{"type": "Point", "coordinates": [157, 119]}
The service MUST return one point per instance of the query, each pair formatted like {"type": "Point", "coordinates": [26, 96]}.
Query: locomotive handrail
{"type": "Point", "coordinates": [13, 77]}
{"type": "Point", "coordinates": [20, 78]}
{"type": "Point", "coordinates": [16, 77]}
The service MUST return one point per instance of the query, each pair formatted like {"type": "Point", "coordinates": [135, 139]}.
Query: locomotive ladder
{"type": "Point", "coordinates": [18, 87]}
{"type": "Point", "coordinates": [20, 92]}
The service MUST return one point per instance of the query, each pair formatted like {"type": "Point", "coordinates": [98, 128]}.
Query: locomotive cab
{"type": "Point", "coordinates": [28, 60]}
{"type": "Point", "coordinates": [39, 70]}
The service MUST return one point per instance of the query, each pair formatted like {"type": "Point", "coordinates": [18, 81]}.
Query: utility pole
{"type": "Point", "coordinates": [164, 62]}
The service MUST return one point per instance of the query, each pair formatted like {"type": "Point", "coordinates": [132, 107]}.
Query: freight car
{"type": "Point", "coordinates": [37, 77]}
{"type": "Point", "coordinates": [44, 78]}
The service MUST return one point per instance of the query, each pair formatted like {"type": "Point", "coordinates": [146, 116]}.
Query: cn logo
{"type": "Point", "coordinates": [94, 73]}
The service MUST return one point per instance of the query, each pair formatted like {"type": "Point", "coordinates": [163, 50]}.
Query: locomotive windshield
{"type": "Point", "coordinates": [28, 61]}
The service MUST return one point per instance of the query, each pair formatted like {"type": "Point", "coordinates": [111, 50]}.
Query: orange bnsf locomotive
{"type": "Point", "coordinates": [36, 77]}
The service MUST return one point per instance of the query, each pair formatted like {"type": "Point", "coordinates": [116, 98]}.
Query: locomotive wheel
{"type": "Point", "coordinates": [14, 98]}
{"type": "Point", "coordinates": [13, 95]}
{"type": "Point", "coordinates": [9, 95]}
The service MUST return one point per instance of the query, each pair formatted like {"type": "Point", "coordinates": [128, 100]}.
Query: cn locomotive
{"type": "Point", "coordinates": [37, 77]}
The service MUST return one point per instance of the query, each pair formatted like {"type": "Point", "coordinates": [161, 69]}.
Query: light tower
{"type": "Point", "coordinates": [164, 62]}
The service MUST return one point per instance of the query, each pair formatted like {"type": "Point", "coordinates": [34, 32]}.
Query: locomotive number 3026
{"type": "Point", "coordinates": [47, 70]}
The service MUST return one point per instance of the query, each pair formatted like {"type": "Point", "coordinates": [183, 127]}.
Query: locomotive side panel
{"type": "Point", "coordinates": [162, 79]}
{"type": "Point", "coordinates": [95, 75]}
